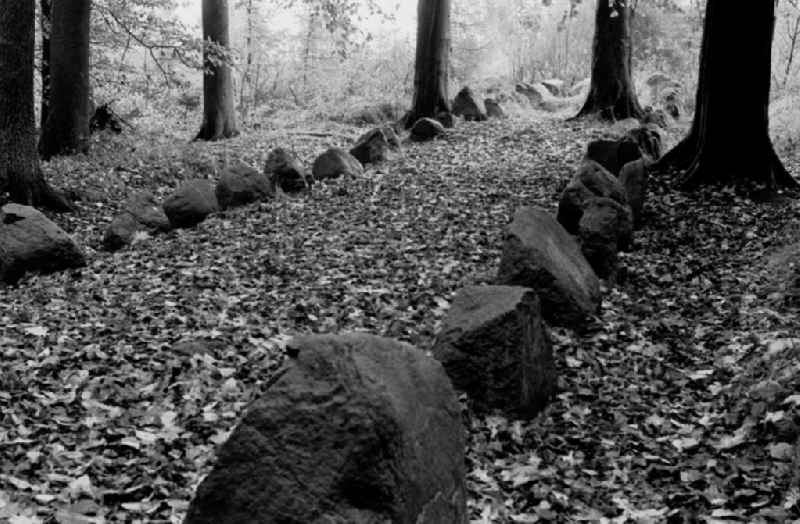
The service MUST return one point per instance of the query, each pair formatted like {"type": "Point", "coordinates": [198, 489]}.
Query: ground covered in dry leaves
{"type": "Point", "coordinates": [678, 403]}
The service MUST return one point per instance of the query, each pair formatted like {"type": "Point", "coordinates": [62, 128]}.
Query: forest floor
{"type": "Point", "coordinates": [678, 403]}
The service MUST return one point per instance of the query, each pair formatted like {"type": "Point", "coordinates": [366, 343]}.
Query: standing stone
{"type": "Point", "coordinates": [426, 129]}
{"type": "Point", "coordinates": [613, 154]}
{"type": "Point", "coordinates": [356, 429]}
{"type": "Point", "coordinates": [494, 347]}
{"type": "Point", "coordinates": [605, 228]}
{"type": "Point", "coordinates": [634, 178]}
{"type": "Point", "coordinates": [371, 147]}
{"type": "Point", "coordinates": [30, 242]}
{"type": "Point", "coordinates": [141, 212]}
{"type": "Point", "coordinates": [240, 185]}
{"type": "Point", "coordinates": [191, 203]}
{"type": "Point", "coordinates": [591, 180]}
{"type": "Point", "coordinates": [334, 163]}
{"type": "Point", "coordinates": [285, 171]}
{"type": "Point", "coordinates": [468, 106]}
{"type": "Point", "coordinates": [538, 253]}
{"type": "Point", "coordinates": [494, 109]}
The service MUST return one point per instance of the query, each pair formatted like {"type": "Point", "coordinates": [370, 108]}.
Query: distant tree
{"type": "Point", "coordinates": [66, 130]}
{"type": "Point", "coordinates": [219, 115]}
{"type": "Point", "coordinates": [20, 175]}
{"type": "Point", "coordinates": [729, 141]}
{"type": "Point", "coordinates": [432, 60]}
{"type": "Point", "coordinates": [612, 95]}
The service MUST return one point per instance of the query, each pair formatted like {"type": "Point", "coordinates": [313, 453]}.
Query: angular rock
{"type": "Point", "coordinates": [494, 109]}
{"type": "Point", "coordinates": [240, 185]}
{"type": "Point", "coordinates": [613, 154]}
{"type": "Point", "coordinates": [30, 242]}
{"type": "Point", "coordinates": [356, 429]}
{"type": "Point", "coordinates": [191, 203]}
{"type": "Point", "coordinates": [285, 171]}
{"type": "Point", "coordinates": [144, 207]}
{"type": "Point", "coordinates": [372, 147]}
{"type": "Point", "coordinates": [591, 180]}
{"type": "Point", "coordinates": [141, 212]}
{"type": "Point", "coordinates": [605, 228]}
{"type": "Point", "coordinates": [648, 138]}
{"type": "Point", "coordinates": [468, 106]}
{"type": "Point", "coordinates": [426, 129]}
{"type": "Point", "coordinates": [538, 253]}
{"type": "Point", "coordinates": [334, 163]}
{"type": "Point", "coordinates": [634, 178]}
{"type": "Point", "coordinates": [494, 346]}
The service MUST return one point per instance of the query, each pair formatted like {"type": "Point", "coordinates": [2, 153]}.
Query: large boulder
{"type": "Point", "coordinates": [605, 228]}
{"type": "Point", "coordinates": [334, 163]}
{"type": "Point", "coordinates": [445, 118]}
{"type": "Point", "coordinates": [141, 212]}
{"type": "Point", "coordinates": [285, 171]}
{"type": "Point", "coordinates": [468, 106]}
{"type": "Point", "coordinates": [591, 180]}
{"type": "Point", "coordinates": [494, 346]}
{"type": "Point", "coordinates": [426, 129]}
{"type": "Point", "coordinates": [30, 242]}
{"type": "Point", "coordinates": [357, 429]}
{"type": "Point", "coordinates": [240, 185]}
{"type": "Point", "coordinates": [191, 203]}
{"type": "Point", "coordinates": [372, 147]}
{"type": "Point", "coordinates": [634, 179]}
{"type": "Point", "coordinates": [539, 253]}
{"type": "Point", "coordinates": [494, 109]}
{"type": "Point", "coordinates": [613, 154]}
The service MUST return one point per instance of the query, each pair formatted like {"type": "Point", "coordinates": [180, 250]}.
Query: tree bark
{"type": "Point", "coordinates": [19, 163]}
{"type": "Point", "coordinates": [45, 24]}
{"type": "Point", "coordinates": [729, 141]}
{"type": "Point", "coordinates": [219, 115]}
{"type": "Point", "coordinates": [432, 61]}
{"type": "Point", "coordinates": [612, 95]}
{"type": "Point", "coordinates": [66, 131]}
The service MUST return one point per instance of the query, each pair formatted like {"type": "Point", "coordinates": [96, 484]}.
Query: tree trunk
{"type": "Point", "coordinates": [432, 60]}
{"type": "Point", "coordinates": [19, 163]}
{"type": "Point", "coordinates": [45, 23]}
{"type": "Point", "coordinates": [219, 115]}
{"type": "Point", "coordinates": [729, 141]}
{"type": "Point", "coordinates": [66, 130]}
{"type": "Point", "coordinates": [612, 95]}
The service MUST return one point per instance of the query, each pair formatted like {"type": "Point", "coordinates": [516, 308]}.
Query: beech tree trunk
{"type": "Point", "coordinates": [219, 115]}
{"type": "Point", "coordinates": [612, 95]}
{"type": "Point", "coordinates": [45, 18]}
{"type": "Point", "coordinates": [19, 163]}
{"type": "Point", "coordinates": [66, 130]}
{"type": "Point", "coordinates": [432, 61]}
{"type": "Point", "coordinates": [729, 141]}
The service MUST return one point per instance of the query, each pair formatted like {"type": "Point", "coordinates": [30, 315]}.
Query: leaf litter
{"type": "Point", "coordinates": [678, 403]}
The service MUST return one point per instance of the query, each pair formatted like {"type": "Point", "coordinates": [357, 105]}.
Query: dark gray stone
{"type": "Point", "coordinates": [30, 242]}
{"type": "Point", "coordinates": [468, 106]}
{"type": "Point", "coordinates": [356, 429]}
{"type": "Point", "coordinates": [334, 163]}
{"type": "Point", "coordinates": [285, 171]}
{"type": "Point", "coordinates": [191, 203]}
{"type": "Point", "coordinates": [240, 185]}
{"type": "Point", "coordinates": [494, 346]}
{"type": "Point", "coordinates": [426, 129]}
{"type": "Point", "coordinates": [606, 227]}
{"type": "Point", "coordinates": [539, 253]}
{"type": "Point", "coordinates": [591, 180]}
